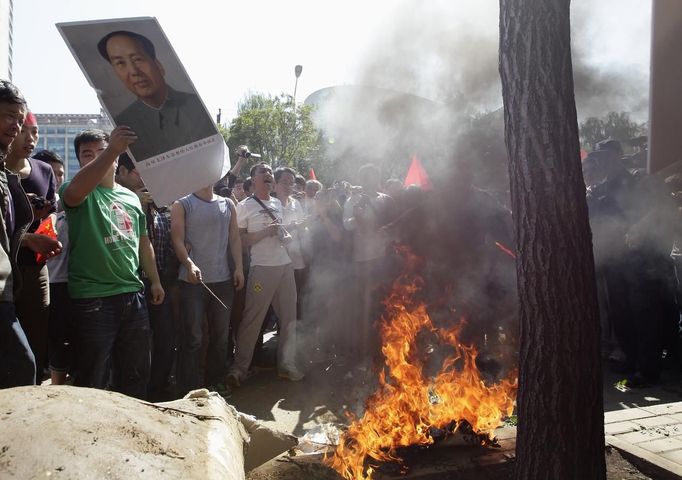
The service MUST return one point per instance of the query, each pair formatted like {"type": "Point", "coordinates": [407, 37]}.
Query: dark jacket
{"type": "Point", "coordinates": [23, 216]}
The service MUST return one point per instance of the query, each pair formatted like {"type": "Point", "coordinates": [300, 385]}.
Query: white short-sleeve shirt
{"type": "Point", "coordinates": [269, 252]}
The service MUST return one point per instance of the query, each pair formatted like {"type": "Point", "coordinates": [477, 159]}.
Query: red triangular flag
{"type": "Point", "coordinates": [311, 175]}
{"type": "Point", "coordinates": [416, 175]}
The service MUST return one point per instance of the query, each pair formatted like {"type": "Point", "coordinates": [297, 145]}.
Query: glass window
{"type": "Point", "coordinates": [72, 168]}
{"type": "Point", "coordinates": [55, 142]}
{"type": "Point", "coordinates": [60, 150]}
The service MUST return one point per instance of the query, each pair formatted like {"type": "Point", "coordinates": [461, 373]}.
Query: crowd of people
{"type": "Point", "coordinates": [153, 301]}
{"type": "Point", "coordinates": [635, 220]}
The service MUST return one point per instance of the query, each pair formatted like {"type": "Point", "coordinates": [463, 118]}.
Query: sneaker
{"type": "Point", "coordinates": [291, 374]}
{"type": "Point", "coordinates": [232, 380]}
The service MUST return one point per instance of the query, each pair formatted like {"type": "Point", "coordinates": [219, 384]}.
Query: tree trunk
{"type": "Point", "coordinates": [560, 404]}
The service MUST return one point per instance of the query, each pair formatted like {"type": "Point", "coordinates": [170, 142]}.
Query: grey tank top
{"type": "Point", "coordinates": [207, 233]}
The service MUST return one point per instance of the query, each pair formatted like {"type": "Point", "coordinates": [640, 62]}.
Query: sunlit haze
{"type": "Point", "coordinates": [232, 48]}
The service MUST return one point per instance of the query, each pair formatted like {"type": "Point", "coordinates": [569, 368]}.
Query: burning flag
{"type": "Point", "coordinates": [408, 405]}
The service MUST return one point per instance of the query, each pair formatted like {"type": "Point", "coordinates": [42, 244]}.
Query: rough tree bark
{"type": "Point", "coordinates": [560, 405]}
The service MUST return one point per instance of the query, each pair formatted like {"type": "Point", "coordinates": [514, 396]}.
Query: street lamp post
{"type": "Point", "coordinates": [297, 71]}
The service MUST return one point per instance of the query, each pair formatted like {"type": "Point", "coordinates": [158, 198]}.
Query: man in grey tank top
{"type": "Point", "coordinates": [203, 230]}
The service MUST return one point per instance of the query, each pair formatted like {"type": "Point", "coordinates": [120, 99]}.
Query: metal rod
{"type": "Point", "coordinates": [214, 295]}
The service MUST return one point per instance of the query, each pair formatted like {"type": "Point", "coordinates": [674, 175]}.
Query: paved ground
{"type": "Point", "coordinates": [647, 423]}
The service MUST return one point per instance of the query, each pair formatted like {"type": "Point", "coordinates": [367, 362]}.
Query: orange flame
{"type": "Point", "coordinates": [407, 404]}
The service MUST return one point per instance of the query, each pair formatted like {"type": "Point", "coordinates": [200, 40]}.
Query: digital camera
{"type": "Point", "coordinates": [284, 236]}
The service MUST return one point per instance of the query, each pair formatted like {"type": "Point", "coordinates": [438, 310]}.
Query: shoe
{"type": "Point", "coordinates": [291, 374]}
{"type": "Point", "coordinates": [232, 380]}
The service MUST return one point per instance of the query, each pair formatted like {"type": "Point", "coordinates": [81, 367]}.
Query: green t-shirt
{"type": "Point", "coordinates": [104, 240]}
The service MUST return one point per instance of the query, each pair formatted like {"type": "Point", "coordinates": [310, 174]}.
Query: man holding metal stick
{"type": "Point", "coordinates": [204, 232]}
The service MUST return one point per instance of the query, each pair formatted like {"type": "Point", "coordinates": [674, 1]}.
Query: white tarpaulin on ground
{"type": "Point", "coordinates": [142, 84]}
{"type": "Point", "coordinates": [83, 433]}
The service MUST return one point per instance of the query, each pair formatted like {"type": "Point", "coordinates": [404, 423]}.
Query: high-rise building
{"type": "Point", "coordinates": [6, 32]}
{"type": "Point", "coordinates": [57, 131]}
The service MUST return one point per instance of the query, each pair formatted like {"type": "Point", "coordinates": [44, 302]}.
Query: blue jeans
{"type": "Point", "coordinates": [114, 343]}
{"type": "Point", "coordinates": [17, 363]}
{"type": "Point", "coordinates": [197, 303]}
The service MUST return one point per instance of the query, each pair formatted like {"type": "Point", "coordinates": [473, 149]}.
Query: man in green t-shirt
{"type": "Point", "coordinates": [108, 244]}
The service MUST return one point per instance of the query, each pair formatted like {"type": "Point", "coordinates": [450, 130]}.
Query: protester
{"type": "Point", "coordinates": [365, 212]}
{"type": "Point", "coordinates": [294, 223]}
{"type": "Point", "coordinates": [204, 229]}
{"type": "Point", "coordinates": [17, 362]}
{"type": "Point", "coordinates": [161, 316]}
{"type": "Point", "coordinates": [238, 190]}
{"type": "Point", "coordinates": [394, 189]}
{"type": "Point", "coordinates": [325, 300]}
{"type": "Point", "coordinates": [108, 243]}
{"type": "Point", "coordinates": [308, 201]}
{"type": "Point", "coordinates": [271, 279]}
{"type": "Point", "coordinates": [299, 186]}
{"type": "Point", "coordinates": [55, 162]}
{"type": "Point", "coordinates": [38, 181]}
{"type": "Point", "coordinates": [248, 187]}
{"type": "Point", "coordinates": [227, 186]}
{"type": "Point", "coordinates": [633, 221]}
{"type": "Point", "coordinates": [62, 344]}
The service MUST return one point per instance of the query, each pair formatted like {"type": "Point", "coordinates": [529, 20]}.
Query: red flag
{"type": "Point", "coordinates": [46, 227]}
{"type": "Point", "coordinates": [311, 175]}
{"type": "Point", "coordinates": [416, 175]}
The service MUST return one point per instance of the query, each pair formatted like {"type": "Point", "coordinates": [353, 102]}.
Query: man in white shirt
{"type": "Point", "coordinates": [270, 281]}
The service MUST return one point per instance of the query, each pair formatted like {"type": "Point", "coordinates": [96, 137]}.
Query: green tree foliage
{"type": "Point", "coordinates": [615, 125]}
{"type": "Point", "coordinates": [283, 134]}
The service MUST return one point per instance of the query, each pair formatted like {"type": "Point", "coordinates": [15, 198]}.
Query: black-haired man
{"type": "Point", "coordinates": [270, 281]}
{"type": "Point", "coordinates": [108, 243]}
{"type": "Point", "coordinates": [53, 160]}
{"type": "Point", "coordinates": [162, 118]}
{"type": "Point", "coordinates": [17, 363]}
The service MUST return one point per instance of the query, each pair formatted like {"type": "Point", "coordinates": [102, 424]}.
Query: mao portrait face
{"type": "Point", "coordinates": [134, 61]}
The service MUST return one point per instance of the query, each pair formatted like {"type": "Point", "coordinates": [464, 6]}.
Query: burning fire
{"type": "Point", "coordinates": [407, 405]}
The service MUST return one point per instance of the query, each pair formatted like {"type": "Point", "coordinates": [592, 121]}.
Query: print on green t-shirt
{"type": "Point", "coordinates": [104, 240]}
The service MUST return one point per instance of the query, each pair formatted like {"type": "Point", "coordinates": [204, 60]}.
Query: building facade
{"type": "Point", "coordinates": [57, 132]}
{"type": "Point", "coordinates": [6, 38]}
